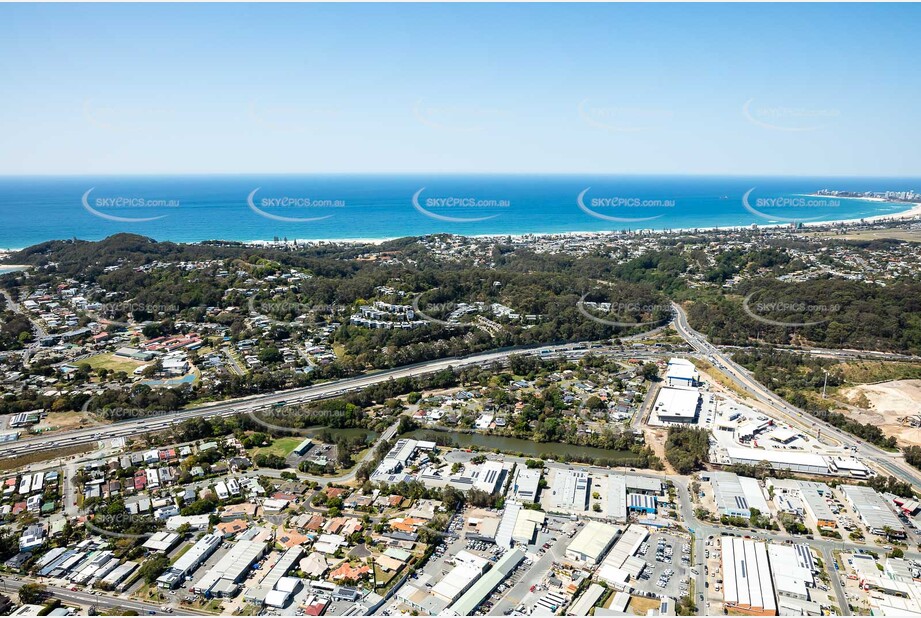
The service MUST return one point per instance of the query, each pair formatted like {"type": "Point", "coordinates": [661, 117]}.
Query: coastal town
{"type": "Point", "coordinates": [448, 309]}
{"type": "Point", "coordinates": [646, 474]}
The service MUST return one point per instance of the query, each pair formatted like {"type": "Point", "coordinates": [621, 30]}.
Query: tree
{"type": "Point", "coordinates": [270, 355]}
{"type": "Point", "coordinates": [32, 594]}
{"type": "Point", "coordinates": [650, 371]}
{"type": "Point", "coordinates": [687, 448]}
{"type": "Point", "coordinates": [153, 568]}
{"type": "Point", "coordinates": [451, 498]}
{"type": "Point", "coordinates": [686, 606]}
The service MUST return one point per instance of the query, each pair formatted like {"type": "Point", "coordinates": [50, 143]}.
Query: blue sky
{"type": "Point", "coordinates": [623, 89]}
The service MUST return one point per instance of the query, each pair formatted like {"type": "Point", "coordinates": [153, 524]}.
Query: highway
{"type": "Point", "coordinates": [248, 405]}
{"type": "Point", "coordinates": [891, 463]}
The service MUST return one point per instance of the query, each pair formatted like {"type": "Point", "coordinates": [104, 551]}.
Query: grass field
{"type": "Point", "coordinates": [868, 372]}
{"type": "Point", "coordinates": [281, 447]}
{"type": "Point", "coordinates": [898, 234]}
{"type": "Point", "coordinates": [30, 458]}
{"type": "Point", "coordinates": [111, 362]}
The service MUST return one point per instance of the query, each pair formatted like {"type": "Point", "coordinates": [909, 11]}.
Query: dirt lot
{"type": "Point", "coordinates": [64, 421]}
{"type": "Point", "coordinates": [888, 402]}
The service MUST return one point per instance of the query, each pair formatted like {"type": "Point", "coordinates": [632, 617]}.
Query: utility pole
{"type": "Point", "coordinates": [825, 383]}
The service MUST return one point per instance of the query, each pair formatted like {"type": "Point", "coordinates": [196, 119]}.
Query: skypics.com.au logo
{"type": "Point", "coordinates": [786, 207]}
{"type": "Point", "coordinates": [456, 204]}
{"type": "Point", "coordinates": [788, 119]}
{"type": "Point", "coordinates": [624, 314]}
{"type": "Point", "coordinates": [104, 207]}
{"type": "Point", "coordinates": [622, 119]}
{"type": "Point", "coordinates": [793, 312]}
{"type": "Point", "coordinates": [269, 207]}
{"type": "Point", "coordinates": [622, 205]}
{"type": "Point", "coordinates": [455, 118]}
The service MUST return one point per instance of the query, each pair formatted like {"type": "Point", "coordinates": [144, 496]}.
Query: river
{"type": "Point", "coordinates": [528, 448]}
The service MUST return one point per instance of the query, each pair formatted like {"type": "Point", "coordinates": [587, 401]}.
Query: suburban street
{"type": "Point", "coordinates": [888, 462]}
{"type": "Point", "coordinates": [11, 586]}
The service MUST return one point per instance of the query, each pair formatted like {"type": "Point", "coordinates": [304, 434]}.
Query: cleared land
{"type": "Point", "coordinates": [895, 234]}
{"type": "Point", "coordinates": [11, 463]}
{"type": "Point", "coordinates": [111, 362]}
{"type": "Point", "coordinates": [64, 421]}
{"type": "Point", "coordinates": [281, 447]}
{"type": "Point", "coordinates": [891, 406]}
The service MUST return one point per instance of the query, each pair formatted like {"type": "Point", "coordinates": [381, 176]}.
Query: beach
{"type": "Point", "coordinates": [378, 209]}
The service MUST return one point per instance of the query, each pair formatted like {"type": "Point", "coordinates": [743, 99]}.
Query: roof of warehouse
{"type": "Point", "coordinates": [478, 592]}
{"type": "Point", "coordinates": [872, 507]}
{"type": "Point", "coordinates": [777, 456]}
{"type": "Point", "coordinates": [593, 539]}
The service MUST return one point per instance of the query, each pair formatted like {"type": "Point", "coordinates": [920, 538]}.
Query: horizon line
{"type": "Point", "coordinates": [402, 174]}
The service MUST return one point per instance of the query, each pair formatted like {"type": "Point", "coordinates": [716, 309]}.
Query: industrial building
{"type": "Point", "coordinates": [621, 562]}
{"type": "Point", "coordinates": [269, 583]}
{"type": "Point", "coordinates": [570, 490]}
{"type": "Point", "coordinates": [641, 503]}
{"type": "Point", "coordinates": [747, 585]}
{"type": "Point", "coordinates": [480, 591]}
{"type": "Point", "coordinates": [795, 461]}
{"type": "Point", "coordinates": [895, 591]}
{"type": "Point", "coordinates": [488, 477]}
{"type": "Point", "coordinates": [587, 601]}
{"type": "Point", "coordinates": [302, 448]}
{"type": "Point", "coordinates": [397, 459]}
{"type": "Point", "coordinates": [794, 569]}
{"type": "Point", "coordinates": [526, 484]}
{"type": "Point", "coordinates": [848, 466]}
{"type": "Point", "coordinates": [592, 542]}
{"type": "Point", "coordinates": [617, 498]}
{"type": "Point", "coordinates": [190, 561]}
{"type": "Point", "coordinates": [677, 405]}
{"type": "Point", "coordinates": [873, 510]}
{"type": "Point", "coordinates": [804, 498]}
{"type": "Point", "coordinates": [509, 520]}
{"type": "Point", "coordinates": [815, 506]}
{"type": "Point", "coordinates": [681, 373]}
{"type": "Point", "coordinates": [644, 484]}
{"type": "Point", "coordinates": [161, 541]}
{"type": "Point", "coordinates": [736, 496]}
{"type": "Point", "coordinates": [467, 569]}
{"type": "Point", "coordinates": [223, 579]}
{"type": "Point", "coordinates": [526, 526]}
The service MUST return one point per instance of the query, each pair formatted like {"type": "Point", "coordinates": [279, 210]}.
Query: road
{"type": "Point", "coordinates": [648, 401]}
{"type": "Point", "coordinates": [11, 586]}
{"type": "Point", "coordinates": [702, 530]}
{"type": "Point", "coordinates": [246, 405]}
{"type": "Point", "coordinates": [891, 463]}
{"type": "Point", "coordinates": [829, 560]}
{"type": "Point", "coordinates": [13, 306]}
{"type": "Point", "coordinates": [38, 332]}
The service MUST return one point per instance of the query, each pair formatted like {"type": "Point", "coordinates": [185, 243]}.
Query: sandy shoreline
{"type": "Point", "coordinates": [911, 213]}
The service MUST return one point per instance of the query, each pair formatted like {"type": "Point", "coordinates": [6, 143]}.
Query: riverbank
{"type": "Point", "coordinates": [525, 448]}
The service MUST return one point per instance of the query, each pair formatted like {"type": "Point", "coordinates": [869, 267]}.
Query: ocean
{"type": "Point", "coordinates": [340, 207]}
